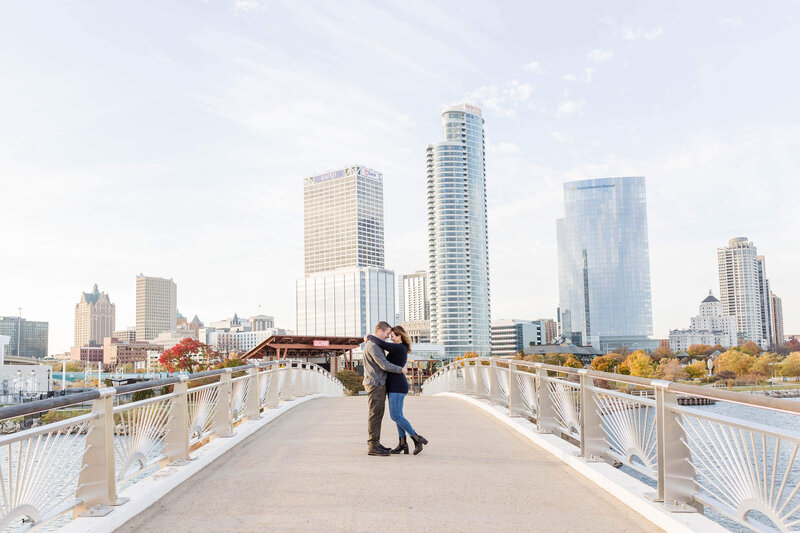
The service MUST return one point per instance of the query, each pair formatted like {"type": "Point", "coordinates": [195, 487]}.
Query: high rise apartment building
{"type": "Point", "coordinates": [27, 338]}
{"type": "Point", "coordinates": [95, 318]}
{"type": "Point", "coordinates": [744, 290]}
{"type": "Point", "coordinates": [412, 297]}
{"type": "Point", "coordinates": [776, 307]}
{"type": "Point", "coordinates": [458, 242]}
{"type": "Point", "coordinates": [346, 289]}
{"type": "Point", "coordinates": [156, 306]}
{"type": "Point", "coordinates": [343, 219]}
{"type": "Point", "coordinates": [604, 264]}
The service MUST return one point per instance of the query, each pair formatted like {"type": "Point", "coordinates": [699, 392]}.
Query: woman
{"type": "Point", "coordinates": [397, 387]}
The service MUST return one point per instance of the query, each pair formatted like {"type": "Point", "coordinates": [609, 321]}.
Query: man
{"type": "Point", "coordinates": [375, 368]}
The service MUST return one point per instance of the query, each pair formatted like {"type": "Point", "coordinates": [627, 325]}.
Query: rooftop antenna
{"type": "Point", "coordinates": [19, 330]}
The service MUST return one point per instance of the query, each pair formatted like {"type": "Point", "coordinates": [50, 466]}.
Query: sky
{"type": "Point", "coordinates": [172, 139]}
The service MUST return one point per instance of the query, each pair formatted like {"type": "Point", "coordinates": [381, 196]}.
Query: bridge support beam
{"type": "Point", "coordinates": [516, 407]}
{"type": "Point", "coordinates": [252, 408]}
{"type": "Point", "coordinates": [287, 382]}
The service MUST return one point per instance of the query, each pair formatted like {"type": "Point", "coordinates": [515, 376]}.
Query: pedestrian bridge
{"type": "Point", "coordinates": [277, 446]}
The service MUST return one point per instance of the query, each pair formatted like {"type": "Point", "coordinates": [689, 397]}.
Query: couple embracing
{"type": "Point", "coordinates": [385, 374]}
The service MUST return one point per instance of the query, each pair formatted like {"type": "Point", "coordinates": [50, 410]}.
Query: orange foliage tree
{"type": "Point", "coordinates": [184, 355]}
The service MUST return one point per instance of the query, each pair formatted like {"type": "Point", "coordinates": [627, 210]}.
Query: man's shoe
{"type": "Point", "coordinates": [401, 447]}
{"type": "Point", "coordinates": [382, 447]}
{"type": "Point", "coordinates": [375, 450]}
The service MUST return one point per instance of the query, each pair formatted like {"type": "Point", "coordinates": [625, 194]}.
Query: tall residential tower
{"type": "Point", "coordinates": [458, 242]}
{"type": "Point", "coordinates": [604, 264]}
{"type": "Point", "coordinates": [744, 290]}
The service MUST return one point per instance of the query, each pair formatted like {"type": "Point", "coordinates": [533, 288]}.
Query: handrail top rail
{"type": "Point", "coordinates": [742, 398]}
{"type": "Point", "coordinates": [48, 404]}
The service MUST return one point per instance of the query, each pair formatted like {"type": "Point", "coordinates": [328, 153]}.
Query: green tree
{"type": "Point", "coordinates": [764, 365]}
{"type": "Point", "coordinates": [351, 380]}
{"type": "Point", "coordinates": [639, 364]}
{"type": "Point", "coordinates": [790, 367]}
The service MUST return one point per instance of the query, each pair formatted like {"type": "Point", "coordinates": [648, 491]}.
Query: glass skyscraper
{"type": "Point", "coordinates": [604, 264]}
{"type": "Point", "coordinates": [458, 245]}
{"type": "Point", "coordinates": [27, 338]}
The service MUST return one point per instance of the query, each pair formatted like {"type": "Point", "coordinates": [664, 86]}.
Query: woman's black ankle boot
{"type": "Point", "coordinates": [419, 440]}
{"type": "Point", "coordinates": [402, 446]}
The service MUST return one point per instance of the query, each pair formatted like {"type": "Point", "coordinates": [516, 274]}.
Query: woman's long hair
{"type": "Point", "coordinates": [400, 331]}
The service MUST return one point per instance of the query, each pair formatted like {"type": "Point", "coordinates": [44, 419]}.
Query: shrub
{"type": "Point", "coordinates": [351, 380]}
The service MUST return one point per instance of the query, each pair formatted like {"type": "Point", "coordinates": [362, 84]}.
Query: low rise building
{"type": "Point", "coordinates": [419, 331]}
{"type": "Point", "coordinates": [87, 354]}
{"type": "Point", "coordinates": [509, 337]}
{"type": "Point", "coordinates": [708, 327]}
{"type": "Point", "coordinates": [116, 352]}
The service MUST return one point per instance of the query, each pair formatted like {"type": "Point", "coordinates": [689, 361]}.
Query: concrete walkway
{"type": "Point", "coordinates": [309, 471]}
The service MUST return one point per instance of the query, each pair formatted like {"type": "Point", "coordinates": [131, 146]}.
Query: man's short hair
{"type": "Point", "coordinates": [381, 326]}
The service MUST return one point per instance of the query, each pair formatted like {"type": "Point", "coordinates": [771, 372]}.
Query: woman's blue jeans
{"type": "Point", "coordinates": [396, 411]}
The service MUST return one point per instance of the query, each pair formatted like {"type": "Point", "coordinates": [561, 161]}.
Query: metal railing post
{"type": "Point", "coordinates": [274, 384]}
{"type": "Point", "coordinates": [469, 378]}
{"type": "Point", "coordinates": [546, 421]}
{"type": "Point", "coordinates": [495, 392]}
{"type": "Point", "coordinates": [97, 485]}
{"type": "Point", "coordinates": [286, 386]}
{"type": "Point", "coordinates": [222, 424]}
{"type": "Point", "coordinates": [252, 408]}
{"type": "Point", "coordinates": [593, 443]}
{"type": "Point", "coordinates": [299, 381]}
{"type": "Point", "coordinates": [176, 441]}
{"type": "Point", "coordinates": [677, 479]}
{"type": "Point", "coordinates": [516, 406]}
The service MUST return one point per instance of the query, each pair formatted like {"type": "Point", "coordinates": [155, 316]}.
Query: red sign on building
{"type": "Point", "coordinates": [322, 343]}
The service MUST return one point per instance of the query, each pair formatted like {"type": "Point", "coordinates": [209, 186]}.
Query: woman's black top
{"type": "Point", "coordinates": [396, 353]}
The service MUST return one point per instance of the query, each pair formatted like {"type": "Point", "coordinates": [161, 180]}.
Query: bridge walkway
{"type": "Point", "coordinates": [309, 471]}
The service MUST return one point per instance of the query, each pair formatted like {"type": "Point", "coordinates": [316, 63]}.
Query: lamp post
{"type": "Point", "coordinates": [19, 383]}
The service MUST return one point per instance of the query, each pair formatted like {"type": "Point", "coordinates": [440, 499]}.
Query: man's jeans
{"type": "Point", "coordinates": [376, 397]}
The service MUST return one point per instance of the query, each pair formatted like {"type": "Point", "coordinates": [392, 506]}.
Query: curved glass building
{"type": "Point", "coordinates": [604, 264]}
{"type": "Point", "coordinates": [458, 246]}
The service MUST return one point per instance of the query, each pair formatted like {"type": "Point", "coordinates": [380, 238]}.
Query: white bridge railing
{"type": "Point", "coordinates": [77, 464]}
{"type": "Point", "coordinates": [742, 467]}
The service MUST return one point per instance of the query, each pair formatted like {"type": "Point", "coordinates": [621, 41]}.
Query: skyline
{"type": "Point", "coordinates": [177, 139]}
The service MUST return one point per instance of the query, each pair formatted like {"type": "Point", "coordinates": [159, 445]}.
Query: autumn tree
{"type": "Point", "coordinates": [605, 363]}
{"type": "Point", "coordinates": [740, 363]}
{"type": "Point", "coordinates": [751, 348]}
{"type": "Point", "coordinates": [670, 369]}
{"type": "Point", "coordinates": [186, 355]}
{"type": "Point", "coordinates": [572, 362]}
{"type": "Point", "coordinates": [790, 367]}
{"type": "Point", "coordinates": [699, 350]}
{"type": "Point", "coordinates": [662, 352]}
{"type": "Point", "coordinates": [763, 367]}
{"type": "Point", "coordinates": [639, 364]}
{"type": "Point", "coordinates": [697, 370]}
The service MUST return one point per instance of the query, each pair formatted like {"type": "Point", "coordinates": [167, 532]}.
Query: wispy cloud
{"type": "Point", "coordinates": [598, 55]}
{"type": "Point", "coordinates": [634, 34]}
{"type": "Point", "coordinates": [561, 137]}
{"type": "Point", "coordinates": [504, 148]}
{"type": "Point", "coordinates": [732, 22]}
{"type": "Point", "coordinates": [568, 108]}
{"type": "Point", "coordinates": [586, 77]}
{"type": "Point", "coordinates": [502, 100]}
{"type": "Point", "coordinates": [245, 6]}
{"type": "Point", "coordinates": [535, 67]}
